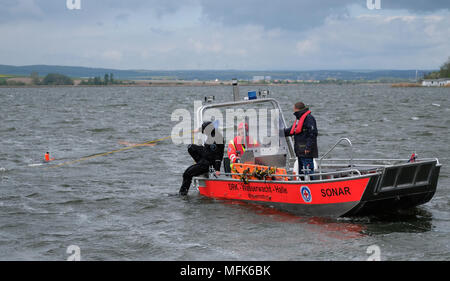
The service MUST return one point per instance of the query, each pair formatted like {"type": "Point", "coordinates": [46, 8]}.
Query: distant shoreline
{"type": "Point", "coordinates": [190, 84]}
{"type": "Point", "coordinates": [61, 80]}
{"type": "Point", "coordinates": [28, 82]}
{"type": "Point", "coordinates": [413, 85]}
{"type": "Point", "coordinates": [406, 85]}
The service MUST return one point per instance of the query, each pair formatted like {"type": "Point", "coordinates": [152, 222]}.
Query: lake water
{"type": "Point", "coordinates": [118, 206]}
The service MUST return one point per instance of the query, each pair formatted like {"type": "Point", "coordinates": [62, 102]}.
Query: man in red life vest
{"type": "Point", "coordinates": [237, 146]}
{"type": "Point", "coordinates": [304, 131]}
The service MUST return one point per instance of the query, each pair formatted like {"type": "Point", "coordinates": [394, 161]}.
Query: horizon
{"type": "Point", "coordinates": [246, 70]}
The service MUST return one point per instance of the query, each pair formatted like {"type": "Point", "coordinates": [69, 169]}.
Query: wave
{"type": "Point", "coordinates": [101, 130]}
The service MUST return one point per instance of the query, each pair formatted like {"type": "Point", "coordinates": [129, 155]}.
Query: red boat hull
{"type": "Point", "coordinates": [396, 187]}
{"type": "Point", "coordinates": [333, 197]}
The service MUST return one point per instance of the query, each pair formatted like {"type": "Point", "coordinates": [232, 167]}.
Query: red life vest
{"type": "Point", "coordinates": [236, 147]}
{"type": "Point", "coordinates": [298, 129]}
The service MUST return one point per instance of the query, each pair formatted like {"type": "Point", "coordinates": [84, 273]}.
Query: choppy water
{"type": "Point", "coordinates": [117, 207]}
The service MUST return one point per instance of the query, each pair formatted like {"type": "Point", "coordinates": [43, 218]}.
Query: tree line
{"type": "Point", "coordinates": [108, 79]}
{"type": "Point", "coordinates": [60, 79]}
{"type": "Point", "coordinates": [50, 79]}
{"type": "Point", "coordinates": [444, 72]}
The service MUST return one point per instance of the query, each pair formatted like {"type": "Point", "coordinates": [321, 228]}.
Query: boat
{"type": "Point", "coordinates": [339, 187]}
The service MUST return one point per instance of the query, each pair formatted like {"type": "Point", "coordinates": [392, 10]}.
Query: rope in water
{"type": "Point", "coordinates": [107, 153]}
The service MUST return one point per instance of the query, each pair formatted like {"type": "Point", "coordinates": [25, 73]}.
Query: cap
{"type": "Point", "coordinates": [205, 124]}
{"type": "Point", "coordinates": [241, 126]}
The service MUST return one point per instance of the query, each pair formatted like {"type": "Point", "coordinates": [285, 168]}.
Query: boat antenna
{"type": "Point", "coordinates": [234, 82]}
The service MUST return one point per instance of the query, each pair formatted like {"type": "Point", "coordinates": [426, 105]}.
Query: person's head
{"type": "Point", "coordinates": [241, 129]}
{"type": "Point", "coordinates": [208, 128]}
{"type": "Point", "coordinates": [299, 106]}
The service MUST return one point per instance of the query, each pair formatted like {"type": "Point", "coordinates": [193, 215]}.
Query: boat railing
{"type": "Point", "coordinates": [332, 148]}
{"type": "Point", "coordinates": [316, 176]}
{"type": "Point", "coordinates": [371, 162]}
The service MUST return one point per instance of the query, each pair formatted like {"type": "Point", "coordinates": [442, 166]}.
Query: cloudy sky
{"type": "Point", "coordinates": [226, 34]}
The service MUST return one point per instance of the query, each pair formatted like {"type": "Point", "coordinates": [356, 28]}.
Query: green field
{"type": "Point", "coordinates": [10, 76]}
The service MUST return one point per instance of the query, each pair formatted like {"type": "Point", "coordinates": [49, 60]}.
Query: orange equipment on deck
{"type": "Point", "coordinates": [257, 172]}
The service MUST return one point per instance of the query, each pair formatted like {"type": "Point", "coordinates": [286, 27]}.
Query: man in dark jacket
{"type": "Point", "coordinates": [304, 131]}
{"type": "Point", "coordinates": [209, 154]}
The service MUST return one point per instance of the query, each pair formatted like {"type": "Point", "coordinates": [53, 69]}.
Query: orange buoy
{"type": "Point", "coordinates": [47, 157]}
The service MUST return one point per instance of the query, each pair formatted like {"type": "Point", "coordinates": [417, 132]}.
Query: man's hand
{"type": "Point", "coordinates": [217, 173]}
{"type": "Point", "coordinates": [307, 151]}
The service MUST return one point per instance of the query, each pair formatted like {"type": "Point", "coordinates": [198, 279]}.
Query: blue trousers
{"type": "Point", "coordinates": [305, 163]}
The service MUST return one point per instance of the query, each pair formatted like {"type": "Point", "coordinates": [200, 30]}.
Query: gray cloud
{"type": "Point", "coordinates": [383, 42]}
{"type": "Point", "coordinates": [211, 34]}
{"type": "Point", "coordinates": [299, 15]}
{"type": "Point", "coordinates": [91, 10]}
{"type": "Point", "coordinates": [285, 14]}
{"type": "Point", "coordinates": [416, 5]}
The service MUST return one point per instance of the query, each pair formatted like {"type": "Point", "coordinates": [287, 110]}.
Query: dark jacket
{"type": "Point", "coordinates": [307, 138]}
{"type": "Point", "coordinates": [209, 154]}
{"type": "Point", "coordinates": [214, 154]}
